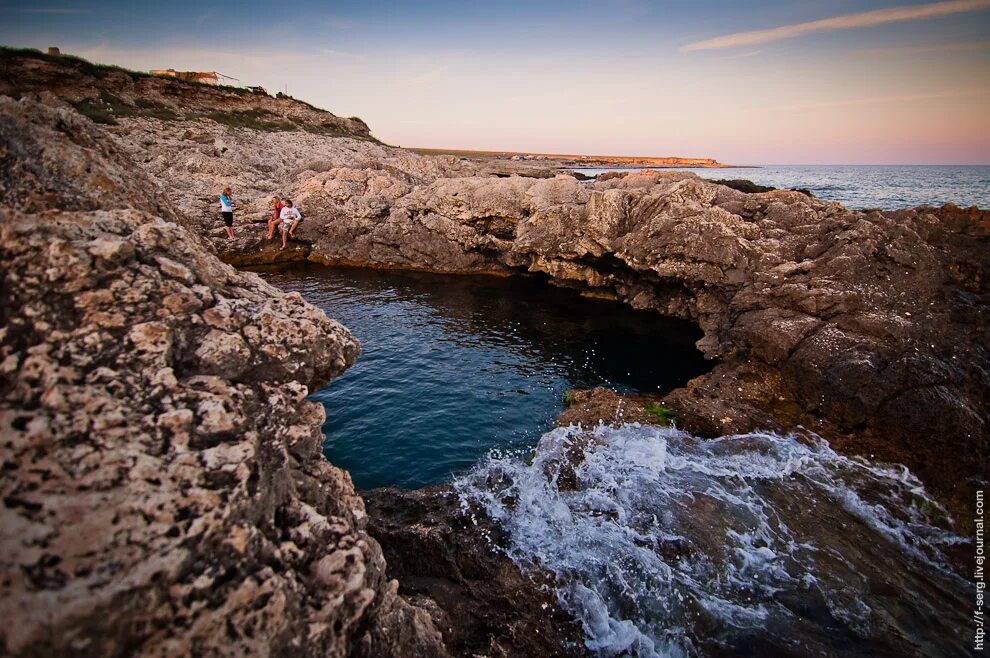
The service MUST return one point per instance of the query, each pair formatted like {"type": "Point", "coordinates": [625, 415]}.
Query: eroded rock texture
{"type": "Point", "coordinates": [164, 492]}
{"type": "Point", "coordinates": [450, 562]}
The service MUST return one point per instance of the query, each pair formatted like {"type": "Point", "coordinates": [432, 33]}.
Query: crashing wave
{"type": "Point", "coordinates": [664, 544]}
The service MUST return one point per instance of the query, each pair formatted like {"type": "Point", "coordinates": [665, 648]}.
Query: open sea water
{"type": "Point", "coordinates": [889, 187]}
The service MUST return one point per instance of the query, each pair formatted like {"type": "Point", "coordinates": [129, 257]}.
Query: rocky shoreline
{"type": "Point", "coordinates": [167, 493]}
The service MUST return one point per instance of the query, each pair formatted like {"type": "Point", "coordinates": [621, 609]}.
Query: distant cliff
{"type": "Point", "coordinates": [564, 159]}
{"type": "Point", "coordinates": [107, 94]}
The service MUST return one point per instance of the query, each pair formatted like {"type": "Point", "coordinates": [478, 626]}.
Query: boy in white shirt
{"type": "Point", "coordinates": [290, 218]}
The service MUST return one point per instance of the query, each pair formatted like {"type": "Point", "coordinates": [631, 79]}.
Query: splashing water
{"type": "Point", "coordinates": [664, 544]}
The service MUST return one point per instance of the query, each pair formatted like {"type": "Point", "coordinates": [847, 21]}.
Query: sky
{"type": "Point", "coordinates": [757, 82]}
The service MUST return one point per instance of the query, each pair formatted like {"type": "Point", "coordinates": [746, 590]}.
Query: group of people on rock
{"type": "Point", "coordinates": [284, 216]}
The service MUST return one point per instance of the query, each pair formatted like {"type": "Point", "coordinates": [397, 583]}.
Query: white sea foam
{"type": "Point", "coordinates": [663, 544]}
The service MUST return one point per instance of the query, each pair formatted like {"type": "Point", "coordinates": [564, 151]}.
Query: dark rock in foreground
{"type": "Point", "coordinates": [447, 562]}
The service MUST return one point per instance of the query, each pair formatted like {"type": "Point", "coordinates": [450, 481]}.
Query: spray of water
{"type": "Point", "coordinates": [664, 544]}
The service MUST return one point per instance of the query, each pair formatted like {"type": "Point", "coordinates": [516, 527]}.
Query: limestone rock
{"type": "Point", "coordinates": [165, 491]}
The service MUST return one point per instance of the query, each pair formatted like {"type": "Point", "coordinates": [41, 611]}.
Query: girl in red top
{"type": "Point", "coordinates": [273, 221]}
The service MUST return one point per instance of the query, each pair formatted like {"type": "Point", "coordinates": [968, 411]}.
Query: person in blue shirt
{"type": "Point", "coordinates": [227, 212]}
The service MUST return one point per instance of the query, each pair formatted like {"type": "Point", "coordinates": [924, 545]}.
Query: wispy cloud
{"type": "Point", "coordinates": [878, 100]}
{"type": "Point", "coordinates": [340, 54]}
{"type": "Point", "coordinates": [748, 53]}
{"type": "Point", "coordinates": [845, 22]}
{"type": "Point", "coordinates": [956, 47]}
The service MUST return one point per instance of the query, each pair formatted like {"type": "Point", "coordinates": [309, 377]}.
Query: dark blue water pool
{"type": "Point", "coordinates": [454, 366]}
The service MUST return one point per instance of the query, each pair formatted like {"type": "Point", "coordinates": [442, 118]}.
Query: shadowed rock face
{"type": "Point", "coordinates": [451, 563]}
{"type": "Point", "coordinates": [164, 488]}
{"type": "Point", "coordinates": [85, 173]}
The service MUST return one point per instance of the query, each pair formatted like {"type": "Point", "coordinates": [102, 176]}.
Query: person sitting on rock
{"type": "Point", "coordinates": [295, 223]}
{"type": "Point", "coordinates": [290, 218]}
{"type": "Point", "coordinates": [227, 212]}
{"type": "Point", "coordinates": [275, 218]}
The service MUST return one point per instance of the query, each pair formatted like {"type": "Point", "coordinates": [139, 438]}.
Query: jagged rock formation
{"type": "Point", "coordinates": [164, 488]}
{"type": "Point", "coordinates": [479, 599]}
{"type": "Point", "coordinates": [864, 327]}
{"type": "Point", "coordinates": [190, 159]}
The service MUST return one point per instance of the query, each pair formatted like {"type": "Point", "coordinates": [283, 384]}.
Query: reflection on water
{"type": "Point", "coordinates": [453, 366]}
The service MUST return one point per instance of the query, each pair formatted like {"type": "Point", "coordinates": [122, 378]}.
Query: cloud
{"type": "Point", "coordinates": [845, 22]}
{"type": "Point", "coordinates": [748, 53]}
{"type": "Point", "coordinates": [341, 54]}
{"type": "Point", "coordinates": [876, 100]}
{"type": "Point", "coordinates": [956, 47]}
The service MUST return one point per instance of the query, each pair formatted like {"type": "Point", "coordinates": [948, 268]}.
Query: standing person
{"type": "Point", "coordinates": [227, 212]}
{"type": "Point", "coordinates": [290, 217]}
{"type": "Point", "coordinates": [275, 218]}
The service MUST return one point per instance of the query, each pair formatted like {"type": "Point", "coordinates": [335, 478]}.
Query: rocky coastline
{"type": "Point", "coordinates": [166, 493]}
{"type": "Point", "coordinates": [867, 328]}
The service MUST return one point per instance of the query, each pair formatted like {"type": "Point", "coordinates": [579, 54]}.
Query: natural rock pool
{"type": "Point", "coordinates": [455, 366]}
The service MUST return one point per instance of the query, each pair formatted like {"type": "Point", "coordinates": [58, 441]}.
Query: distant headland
{"type": "Point", "coordinates": [588, 161]}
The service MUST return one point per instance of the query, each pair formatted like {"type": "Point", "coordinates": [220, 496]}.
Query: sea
{"type": "Point", "coordinates": [888, 187]}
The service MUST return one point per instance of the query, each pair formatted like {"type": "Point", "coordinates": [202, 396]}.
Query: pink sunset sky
{"type": "Point", "coordinates": [747, 83]}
